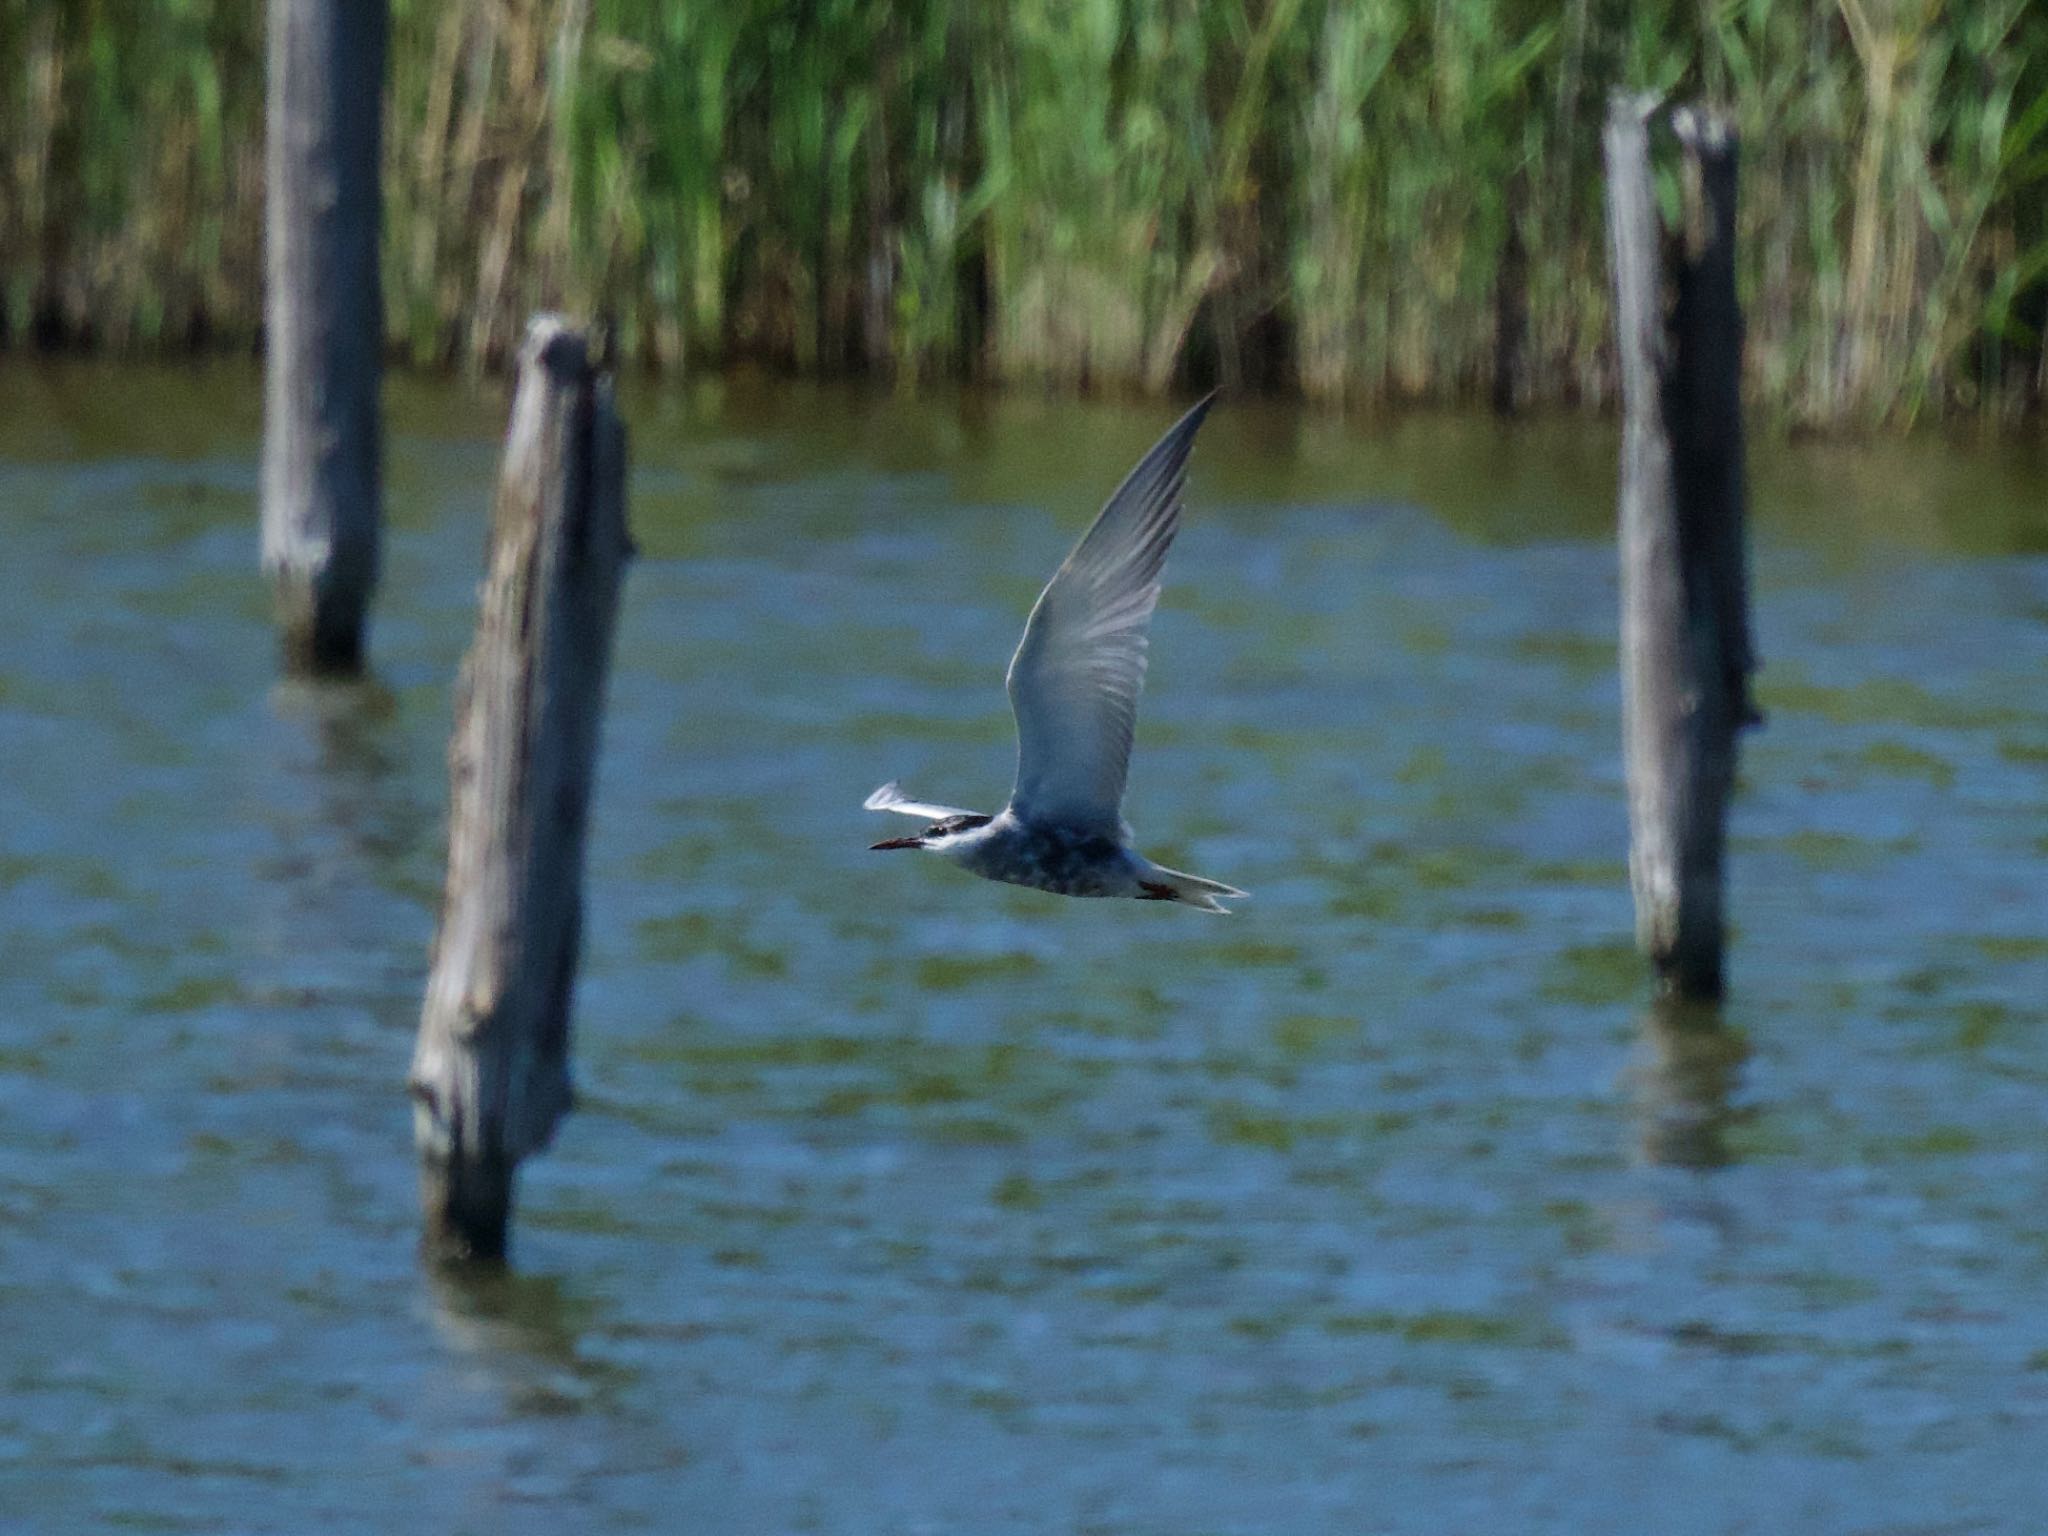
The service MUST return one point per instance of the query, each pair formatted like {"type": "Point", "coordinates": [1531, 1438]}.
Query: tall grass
{"type": "Point", "coordinates": [1363, 200]}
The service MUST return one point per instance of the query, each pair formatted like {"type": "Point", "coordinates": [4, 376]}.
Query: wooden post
{"type": "Point", "coordinates": [323, 325]}
{"type": "Point", "coordinates": [1511, 303]}
{"type": "Point", "coordinates": [490, 1076]}
{"type": "Point", "coordinates": [1685, 649]}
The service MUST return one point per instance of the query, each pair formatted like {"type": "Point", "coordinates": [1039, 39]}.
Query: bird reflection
{"type": "Point", "coordinates": [1688, 1066]}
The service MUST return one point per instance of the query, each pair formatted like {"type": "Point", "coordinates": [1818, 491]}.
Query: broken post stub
{"type": "Point", "coordinates": [323, 325]}
{"type": "Point", "coordinates": [490, 1075]}
{"type": "Point", "coordinates": [1686, 655]}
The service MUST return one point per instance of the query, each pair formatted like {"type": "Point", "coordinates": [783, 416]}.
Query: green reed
{"type": "Point", "coordinates": [1361, 200]}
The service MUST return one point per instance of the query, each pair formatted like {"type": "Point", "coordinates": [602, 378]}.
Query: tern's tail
{"type": "Point", "coordinates": [1192, 890]}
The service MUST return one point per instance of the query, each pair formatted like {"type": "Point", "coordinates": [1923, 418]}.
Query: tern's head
{"type": "Point", "coordinates": [940, 834]}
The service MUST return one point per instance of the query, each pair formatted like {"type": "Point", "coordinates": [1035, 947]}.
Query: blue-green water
{"type": "Point", "coordinates": [899, 1202]}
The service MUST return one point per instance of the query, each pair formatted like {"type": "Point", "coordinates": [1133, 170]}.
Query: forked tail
{"type": "Point", "coordinates": [1162, 884]}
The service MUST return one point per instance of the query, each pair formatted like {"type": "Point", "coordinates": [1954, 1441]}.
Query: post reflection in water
{"type": "Point", "coordinates": [533, 1409]}
{"type": "Point", "coordinates": [524, 1329]}
{"type": "Point", "coordinates": [355, 822]}
{"type": "Point", "coordinates": [351, 776]}
{"type": "Point", "coordinates": [1687, 1067]}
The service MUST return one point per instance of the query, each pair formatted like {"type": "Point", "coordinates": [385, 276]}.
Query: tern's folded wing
{"type": "Point", "coordinates": [1077, 674]}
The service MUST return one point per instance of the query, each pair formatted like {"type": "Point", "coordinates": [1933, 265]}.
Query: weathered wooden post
{"type": "Point", "coordinates": [490, 1075]}
{"type": "Point", "coordinates": [323, 324]}
{"type": "Point", "coordinates": [1685, 648]}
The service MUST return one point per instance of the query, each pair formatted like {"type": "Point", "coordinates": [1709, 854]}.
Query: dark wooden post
{"type": "Point", "coordinates": [1511, 302]}
{"type": "Point", "coordinates": [323, 325]}
{"type": "Point", "coordinates": [490, 1076]}
{"type": "Point", "coordinates": [1685, 648]}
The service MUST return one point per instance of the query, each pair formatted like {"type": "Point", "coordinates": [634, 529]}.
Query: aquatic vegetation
{"type": "Point", "coordinates": [1361, 202]}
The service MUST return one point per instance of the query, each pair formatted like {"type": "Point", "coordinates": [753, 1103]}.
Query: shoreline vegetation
{"type": "Point", "coordinates": [1360, 203]}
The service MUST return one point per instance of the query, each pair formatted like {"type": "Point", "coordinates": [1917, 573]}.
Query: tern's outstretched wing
{"type": "Point", "coordinates": [890, 798]}
{"type": "Point", "coordinates": [1075, 679]}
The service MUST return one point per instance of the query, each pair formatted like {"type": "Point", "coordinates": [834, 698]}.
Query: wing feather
{"type": "Point", "coordinates": [890, 797]}
{"type": "Point", "coordinates": [1075, 680]}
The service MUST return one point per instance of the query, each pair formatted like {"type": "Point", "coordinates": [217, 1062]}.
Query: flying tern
{"type": "Point", "coordinates": [1074, 686]}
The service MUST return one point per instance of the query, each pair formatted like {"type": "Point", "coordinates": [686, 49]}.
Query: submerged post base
{"type": "Point", "coordinates": [318, 638]}
{"type": "Point", "coordinates": [465, 1209]}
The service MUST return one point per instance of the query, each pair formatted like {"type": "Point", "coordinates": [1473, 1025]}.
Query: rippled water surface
{"type": "Point", "coordinates": [899, 1202]}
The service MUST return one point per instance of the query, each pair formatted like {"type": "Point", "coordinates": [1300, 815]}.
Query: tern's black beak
{"type": "Point", "coordinates": [896, 842]}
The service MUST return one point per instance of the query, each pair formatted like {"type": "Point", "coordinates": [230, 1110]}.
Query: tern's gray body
{"type": "Point", "coordinates": [1074, 686]}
